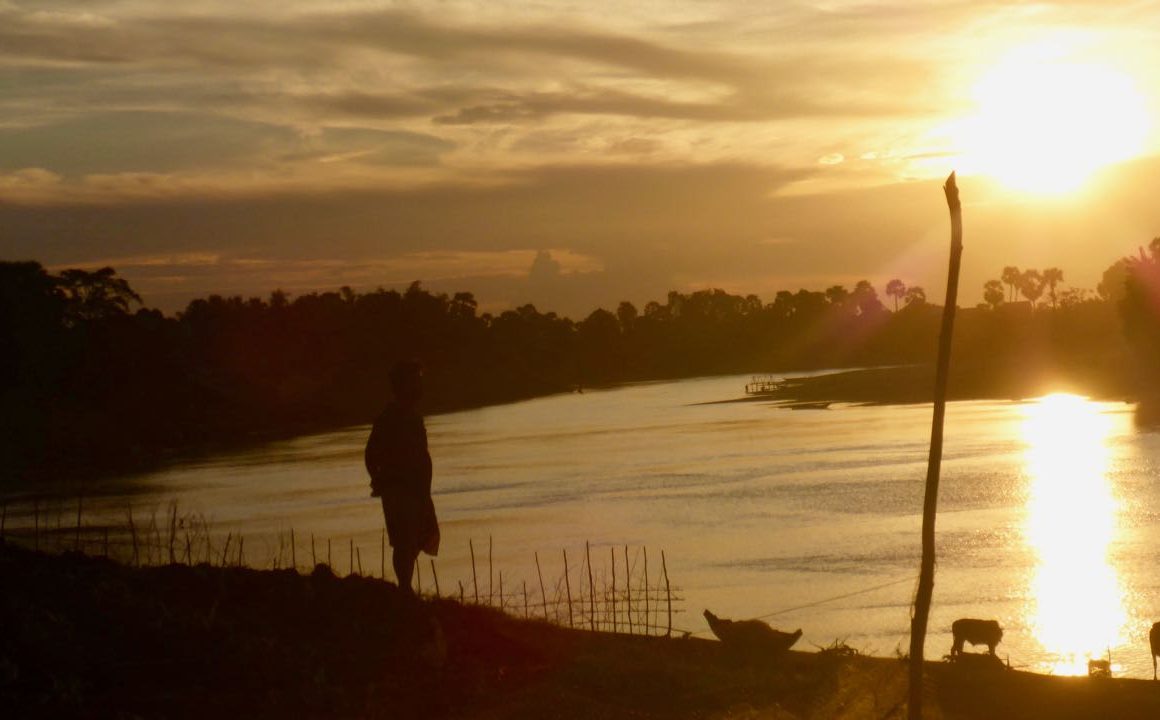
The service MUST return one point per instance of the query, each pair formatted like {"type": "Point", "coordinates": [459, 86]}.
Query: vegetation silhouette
{"type": "Point", "coordinates": [91, 381]}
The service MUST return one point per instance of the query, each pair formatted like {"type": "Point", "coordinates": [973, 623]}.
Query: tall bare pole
{"type": "Point", "coordinates": [930, 500]}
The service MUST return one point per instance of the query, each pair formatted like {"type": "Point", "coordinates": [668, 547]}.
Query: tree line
{"type": "Point", "coordinates": [91, 380]}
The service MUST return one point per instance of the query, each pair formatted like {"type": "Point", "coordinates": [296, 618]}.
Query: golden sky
{"type": "Point", "coordinates": [573, 154]}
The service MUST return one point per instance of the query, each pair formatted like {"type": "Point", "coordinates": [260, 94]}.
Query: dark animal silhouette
{"type": "Point", "coordinates": [751, 634]}
{"type": "Point", "coordinates": [1154, 641]}
{"type": "Point", "coordinates": [976, 632]}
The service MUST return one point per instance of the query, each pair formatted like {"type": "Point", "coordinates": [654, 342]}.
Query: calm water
{"type": "Point", "coordinates": [1048, 510]}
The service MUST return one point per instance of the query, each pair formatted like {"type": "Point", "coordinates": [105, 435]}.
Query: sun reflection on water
{"type": "Point", "coordinates": [1077, 609]}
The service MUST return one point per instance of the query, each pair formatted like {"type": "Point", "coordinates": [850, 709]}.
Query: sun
{"type": "Point", "coordinates": [1045, 122]}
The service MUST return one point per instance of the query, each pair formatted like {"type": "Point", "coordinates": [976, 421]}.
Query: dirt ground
{"type": "Point", "coordinates": [85, 637]}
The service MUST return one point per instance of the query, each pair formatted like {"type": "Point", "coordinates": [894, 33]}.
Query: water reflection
{"type": "Point", "coordinates": [1077, 610]}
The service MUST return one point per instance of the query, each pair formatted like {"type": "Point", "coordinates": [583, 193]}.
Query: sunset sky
{"type": "Point", "coordinates": [573, 154]}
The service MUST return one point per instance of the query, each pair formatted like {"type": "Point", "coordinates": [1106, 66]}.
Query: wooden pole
{"type": "Point", "coordinates": [930, 499]}
{"type": "Point", "coordinates": [77, 539]}
{"type": "Point", "coordinates": [329, 563]}
{"type": "Point", "coordinates": [647, 619]}
{"type": "Point", "coordinates": [568, 587]}
{"type": "Point", "coordinates": [474, 579]}
{"type": "Point", "coordinates": [543, 595]}
{"type": "Point", "coordinates": [591, 588]}
{"type": "Point", "coordinates": [313, 555]}
{"type": "Point", "coordinates": [612, 553]}
{"type": "Point", "coordinates": [627, 591]}
{"type": "Point", "coordinates": [668, 594]}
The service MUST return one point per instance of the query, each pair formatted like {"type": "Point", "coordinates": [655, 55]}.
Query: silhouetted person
{"type": "Point", "coordinates": [400, 470]}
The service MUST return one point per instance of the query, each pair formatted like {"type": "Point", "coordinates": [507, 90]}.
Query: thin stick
{"type": "Point", "coordinates": [358, 556]}
{"type": "Point", "coordinates": [930, 499]}
{"type": "Point", "coordinates": [525, 599]}
{"type": "Point", "coordinates": [543, 595]}
{"type": "Point", "coordinates": [612, 552]}
{"type": "Point", "coordinates": [490, 573]}
{"type": "Point", "coordinates": [647, 626]}
{"type": "Point", "coordinates": [329, 563]}
{"type": "Point", "coordinates": [77, 539]}
{"type": "Point", "coordinates": [591, 588]}
{"type": "Point", "coordinates": [568, 587]}
{"type": "Point", "coordinates": [172, 531]}
{"type": "Point", "coordinates": [313, 557]}
{"type": "Point", "coordinates": [474, 580]}
{"type": "Point", "coordinates": [293, 551]}
{"type": "Point", "coordinates": [350, 565]}
{"type": "Point", "coordinates": [436, 576]}
{"type": "Point", "coordinates": [188, 549]}
{"type": "Point", "coordinates": [627, 591]}
{"type": "Point", "coordinates": [225, 552]}
{"type": "Point", "coordinates": [501, 597]}
{"type": "Point", "coordinates": [668, 594]}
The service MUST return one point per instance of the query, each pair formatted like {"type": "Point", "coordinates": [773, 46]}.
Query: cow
{"type": "Point", "coordinates": [976, 632]}
{"type": "Point", "coordinates": [1154, 641]}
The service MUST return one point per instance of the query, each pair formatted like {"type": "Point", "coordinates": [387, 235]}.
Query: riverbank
{"type": "Point", "coordinates": [84, 637]}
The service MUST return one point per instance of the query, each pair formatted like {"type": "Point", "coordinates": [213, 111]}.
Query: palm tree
{"type": "Point", "coordinates": [993, 293]}
{"type": "Point", "coordinates": [915, 296]}
{"type": "Point", "coordinates": [897, 290]}
{"type": "Point", "coordinates": [1051, 277]}
{"type": "Point", "coordinates": [1031, 285]}
{"type": "Point", "coordinates": [1012, 279]}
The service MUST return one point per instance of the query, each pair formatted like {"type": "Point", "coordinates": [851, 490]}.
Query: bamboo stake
{"type": "Point", "coordinates": [543, 595]}
{"type": "Point", "coordinates": [627, 591]}
{"type": "Point", "coordinates": [668, 594]}
{"type": "Point", "coordinates": [591, 588]}
{"type": "Point", "coordinates": [934, 462]}
{"type": "Point", "coordinates": [77, 539]}
{"type": "Point", "coordinates": [474, 580]}
{"type": "Point", "coordinates": [436, 576]}
{"type": "Point", "coordinates": [647, 627]}
{"type": "Point", "coordinates": [568, 587]}
{"type": "Point", "coordinates": [612, 552]}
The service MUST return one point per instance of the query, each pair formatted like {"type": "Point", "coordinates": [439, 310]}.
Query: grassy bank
{"type": "Point", "coordinates": [84, 637]}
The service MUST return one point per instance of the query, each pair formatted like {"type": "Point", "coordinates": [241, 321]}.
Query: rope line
{"type": "Point", "coordinates": [863, 591]}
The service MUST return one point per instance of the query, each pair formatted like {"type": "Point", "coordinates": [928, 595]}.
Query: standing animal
{"type": "Point", "coordinates": [976, 632]}
{"type": "Point", "coordinates": [1154, 641]}
{"type": "Point", "coordinates": [751, 634]}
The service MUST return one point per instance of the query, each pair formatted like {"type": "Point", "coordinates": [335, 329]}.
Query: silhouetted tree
{"type": "Point", "coordinates": [1052, 276]}
{"type": "Point", "coordinates": [1111, 285]}
{"type": "Point", "coordinates": [1013, 279]}
{"type": "Point", "coordinates": [95, 295]}
{"type": "Point", "coordinates": [915, 296]}
{"type": "Point", "coordinates": [1031, 285]}
{"type": "Point", "coordinates": [897, 290]}
{"type": "Point", "coordinates": [993, 293]}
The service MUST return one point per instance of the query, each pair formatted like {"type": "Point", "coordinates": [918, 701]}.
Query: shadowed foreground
{"type": "Point", "coordinates": [91, 638]}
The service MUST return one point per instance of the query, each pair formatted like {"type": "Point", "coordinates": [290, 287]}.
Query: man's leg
{"type": "Point", "coordinates": [403, 561]}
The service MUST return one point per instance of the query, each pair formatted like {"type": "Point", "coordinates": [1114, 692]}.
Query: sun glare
{"type": "Point", "coordinates": [1077, 608]}
{"type": "Point", "coordinates": [1045, 122]}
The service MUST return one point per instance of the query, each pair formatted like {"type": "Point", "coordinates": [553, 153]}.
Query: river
{"type": "Point", "coordinates": [810, 518]}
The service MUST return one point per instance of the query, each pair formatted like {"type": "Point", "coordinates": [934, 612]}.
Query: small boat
{"type": "Point", "coordinates": [764, 384]}
{"type": "Point", "coordinates": [810, 406]}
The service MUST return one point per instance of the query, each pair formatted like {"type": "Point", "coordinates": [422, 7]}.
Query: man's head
{"type": "Point", "coordinates": [407, 382]}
